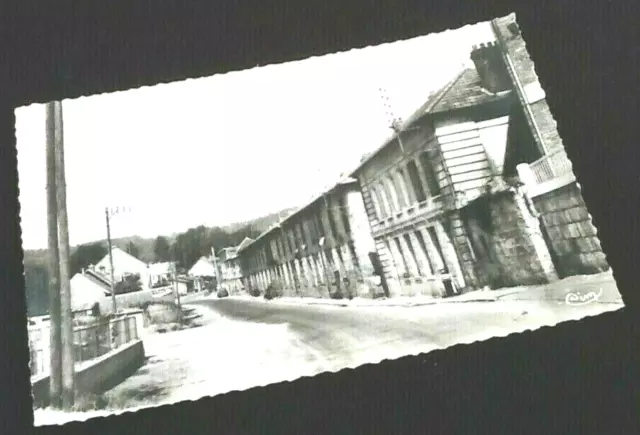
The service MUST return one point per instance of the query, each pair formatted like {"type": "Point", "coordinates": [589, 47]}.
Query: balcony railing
{"type": "Point", "coordinates": [430, 205]}
{"type": "Point", "coordinates": [553, 165]}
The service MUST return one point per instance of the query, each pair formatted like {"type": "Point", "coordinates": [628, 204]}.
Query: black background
{"type": "Point", "coordinates": [576, 377]}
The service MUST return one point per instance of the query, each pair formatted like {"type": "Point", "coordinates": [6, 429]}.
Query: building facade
{"type": "Point", "coordinates": [549, 181]}
{"type": "Point", "coordinates": [230, 273]}
{"type": "Point", "coordinates": [475, 188]}
{"type": "Point", "coordinates": [444, 215]}
{"type": "Point", "coordinates": [323, 249]}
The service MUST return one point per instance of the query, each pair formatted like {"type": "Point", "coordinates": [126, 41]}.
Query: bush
{"type": "Point", "coordinates": [162, 312]}
{"type": "Point", "coordinates": [89, 402]}
{"type": "Point", "coordinates": [337, 295]}
{"type": "Point", "coordinates": [254, 292]}
{"type": "Point", "coordinates": [222, 293]}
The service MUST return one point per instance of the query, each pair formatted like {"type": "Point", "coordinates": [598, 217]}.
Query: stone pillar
{"type": "Point", "coordinates": [436, 261]}
{"type": "Point", "coordinates": [421, 256]}
{"type": "Point", "coordinates": [297, 267]}
{"type": "Point", "coordinates": [432, 251]}
{"type": "Point", "coordinates": [305, 273]}
{"type": "Point", "coordinates": [311, 267]}
{"type": "Point", "coordinates": [289, 272]}
{"type": "Point", "coordinates": [534, 233]}
{"type": "Point", "coordinates": [413, 266]}
{"type": "Point", "coordinates": [337, 260]}
{"type": "Point", "coordinates": [451, 257]}
{"type": "Point", "coordinates": [390, 268]}
{"type": "Point", "coordinates": [320, 270]}
{"type": "Point", "coordinates": [397, 258]}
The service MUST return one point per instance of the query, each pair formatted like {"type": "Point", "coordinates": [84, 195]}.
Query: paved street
{"type": "Point", "coordinates": [252, 342]}
{"type": "Point", "coordinates": [246, 342]}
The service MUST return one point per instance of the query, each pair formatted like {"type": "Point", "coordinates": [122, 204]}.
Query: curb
{"type": "Point", "coordinates": [373, 305]}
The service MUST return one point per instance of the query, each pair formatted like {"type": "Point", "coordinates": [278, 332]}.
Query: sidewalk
{"type": "Point", "coordinates": [555, 291]}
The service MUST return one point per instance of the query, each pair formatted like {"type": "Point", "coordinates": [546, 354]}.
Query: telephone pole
{"type": "Point", "coordinates": [53, 265]}
{"type": "Point", "coordinates": [215, 266]}
{"type": "Point", "coordinates": [66, 315]}
{"type": "Point", "coordinates": [107, 216]}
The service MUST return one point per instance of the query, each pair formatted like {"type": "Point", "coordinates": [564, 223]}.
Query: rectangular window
{"type": "Point", "coordinates": [385, 197]}
{"type": "Point", "coordinates": [378, 206]}
{"type": "Point", "coordinates": [344, 213]}
{"type": "Point", "coordinates": [332, 217]}
{"type": "Point", "coordinates": [408, 185]}
{"type": "Point", "coordinates": [415, 181]}
{"type": "Point", "coordinates": [400, 190]}
{"type": "Point", "coordinates": [430, 175]}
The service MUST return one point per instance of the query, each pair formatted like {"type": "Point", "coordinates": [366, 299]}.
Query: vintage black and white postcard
{"type": "Point", "coordinates": [216, 234]}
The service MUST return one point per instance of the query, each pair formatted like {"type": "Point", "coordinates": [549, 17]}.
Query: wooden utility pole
{"type": "Point", "coordinates": [215, 266]}
{"type": "Point", "coordinates": [175, 277]}
{"type": "Point", "coordinates": [53, 265]}
{"type": "Point", "coordinates": [66, 315]}
{"type": "Point", "coordinates": [113, 280]}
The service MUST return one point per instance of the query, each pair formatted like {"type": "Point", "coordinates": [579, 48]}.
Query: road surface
{"type": "Point", "coordinates": [247, 343]}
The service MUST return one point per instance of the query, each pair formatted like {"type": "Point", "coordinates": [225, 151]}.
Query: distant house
{"type": "Point", "coordinates": [160, 274]}
{"type": "Point", "coordinates": [124, 264]}
{"type": "Point", "coordinates": [86, 290]}
{"type": "Point", "coordinates": [230, 272]}
{"type": "Point", "coordinates": [185, 285]}
{"type": "Point", "coordinates": [203, 268]}
{"type": "Point", "coordinates": [203, 272]}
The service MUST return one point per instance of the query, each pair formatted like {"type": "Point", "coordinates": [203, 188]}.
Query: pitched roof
{"type": "Point", "coordinates": [247, 241]}
{"type": "Point", "coordinates": [464, 90]}
{"type": "Point", "coordinates": [425, 108]}
{"type": "Point", "coordinates": [85, 292]}
{"type": "Point", "coordinates": [203, 267]}
{"type": "Point", "coordinates": [342, 182]}
{"type": "Point", "coordinates": [122, 254]}
{"type": "Point", "coordinates": [98, 278]}
{"type": "Point", "coordinates": [160, 268]}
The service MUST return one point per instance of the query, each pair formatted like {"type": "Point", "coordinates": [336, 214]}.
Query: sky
{"type": "Point", "coordinates": [230, 147]}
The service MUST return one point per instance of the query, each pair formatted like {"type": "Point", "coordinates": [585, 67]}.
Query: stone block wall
{"type": "Point", "coordinates": [524, 70]}
{"type": "Point", "coordinates": [516, 259]}
{"type": "Point", "coordinates": [466, 258]}
{"type": "Point", "coordinates": [572, 236]}
{"type": "Point", "coordinates": [514, 250]}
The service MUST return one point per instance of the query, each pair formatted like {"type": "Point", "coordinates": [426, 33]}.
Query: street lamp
{"type": "Point", "coordinates": [109, 213]}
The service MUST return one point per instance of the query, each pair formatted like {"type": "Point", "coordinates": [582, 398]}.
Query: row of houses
{"type": "Point", "coordinates": [94, 283]}
{"type": "Point", "coordinates": [472, 190]}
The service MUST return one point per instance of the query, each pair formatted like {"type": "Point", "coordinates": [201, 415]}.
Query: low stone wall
{"type": "Point", "coordinates": [572, 236]}
{"type": "Point", "coordinates": [97, 375]}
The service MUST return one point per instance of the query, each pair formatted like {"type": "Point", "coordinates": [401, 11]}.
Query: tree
{"type": "Point", "coordinates": [132, 249]}
{"type": "Point", "coordinates": [129, 284]}
{"type": "Point", "coordinates": [162, 249]}
{"type": "Point", "coordinates": [86, 254]}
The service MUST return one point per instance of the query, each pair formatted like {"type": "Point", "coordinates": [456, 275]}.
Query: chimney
{"type": "Point", "coordinates": [491, 67]}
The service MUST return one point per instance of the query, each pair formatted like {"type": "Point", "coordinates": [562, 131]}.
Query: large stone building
{"type": "Point", "coordinates": [452, 196]}
{"type": "Point", "coordinates": [548, 180]}
{"type": "Point", "coordinates": [322, 249]}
